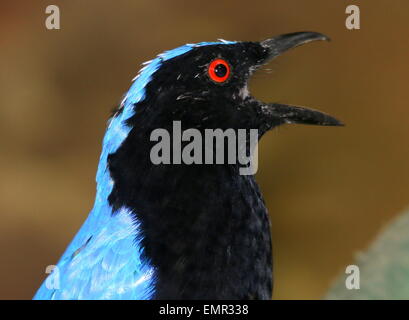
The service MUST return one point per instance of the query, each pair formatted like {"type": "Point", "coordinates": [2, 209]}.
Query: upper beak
{"type": "Point", "coordinates": [290, 114]}
{"type": "Point", "coordinates": [284, 42]}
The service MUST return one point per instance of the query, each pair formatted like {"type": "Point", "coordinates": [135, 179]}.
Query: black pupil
{"type": "Point", "coordinates": [220, 70]}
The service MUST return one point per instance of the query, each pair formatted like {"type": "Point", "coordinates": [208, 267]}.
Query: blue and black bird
{"type": "Point", "coordinates": [180, 231]}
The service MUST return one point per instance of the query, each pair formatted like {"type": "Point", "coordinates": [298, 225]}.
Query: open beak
{"type": "Point", "coordinates": [291, 114]}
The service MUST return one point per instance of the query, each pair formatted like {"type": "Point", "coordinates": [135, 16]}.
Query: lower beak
{"type": "Point", "coordinates": [291, 114]}
{"type": "Point", "coordinates": [280, 113]}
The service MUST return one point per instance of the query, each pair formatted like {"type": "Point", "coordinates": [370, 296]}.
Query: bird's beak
{"type": "Point", "coordinates": [280, 113]}
{"type": "Point", "coordinates": [280, 44]}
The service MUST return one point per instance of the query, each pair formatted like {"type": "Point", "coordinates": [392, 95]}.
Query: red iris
{"type": "Point", "coordinates": [219, 70]}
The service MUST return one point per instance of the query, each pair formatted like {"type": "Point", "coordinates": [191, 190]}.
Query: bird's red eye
{"type": "Point", "coordinates": [219, 70]}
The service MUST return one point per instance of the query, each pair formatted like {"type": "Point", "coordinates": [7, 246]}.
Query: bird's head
{"type": "Point", "coordinates": [206, 86]}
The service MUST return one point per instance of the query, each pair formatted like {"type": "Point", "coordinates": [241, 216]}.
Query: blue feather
{"type": "Point", "coordinates": [103, 260]}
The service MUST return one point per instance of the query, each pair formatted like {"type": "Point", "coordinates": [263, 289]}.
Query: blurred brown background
{"type": "Point", "coordinates": [329, 190]}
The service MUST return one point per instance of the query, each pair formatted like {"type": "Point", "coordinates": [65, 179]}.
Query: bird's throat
{"type": "Point", "coordinates": [205, 229]}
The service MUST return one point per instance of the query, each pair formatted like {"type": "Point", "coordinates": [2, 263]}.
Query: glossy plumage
{"type": "Point", "coordinates": [104, 259]}
{"type": "Point", "coordinates": [180, 231]}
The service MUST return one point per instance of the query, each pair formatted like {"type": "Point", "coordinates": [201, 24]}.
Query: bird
{"type": "Point", "coordinates": [181, 231]}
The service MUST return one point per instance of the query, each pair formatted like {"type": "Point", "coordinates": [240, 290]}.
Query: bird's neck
{"type": "Point", "coordinates": [204, 228]}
